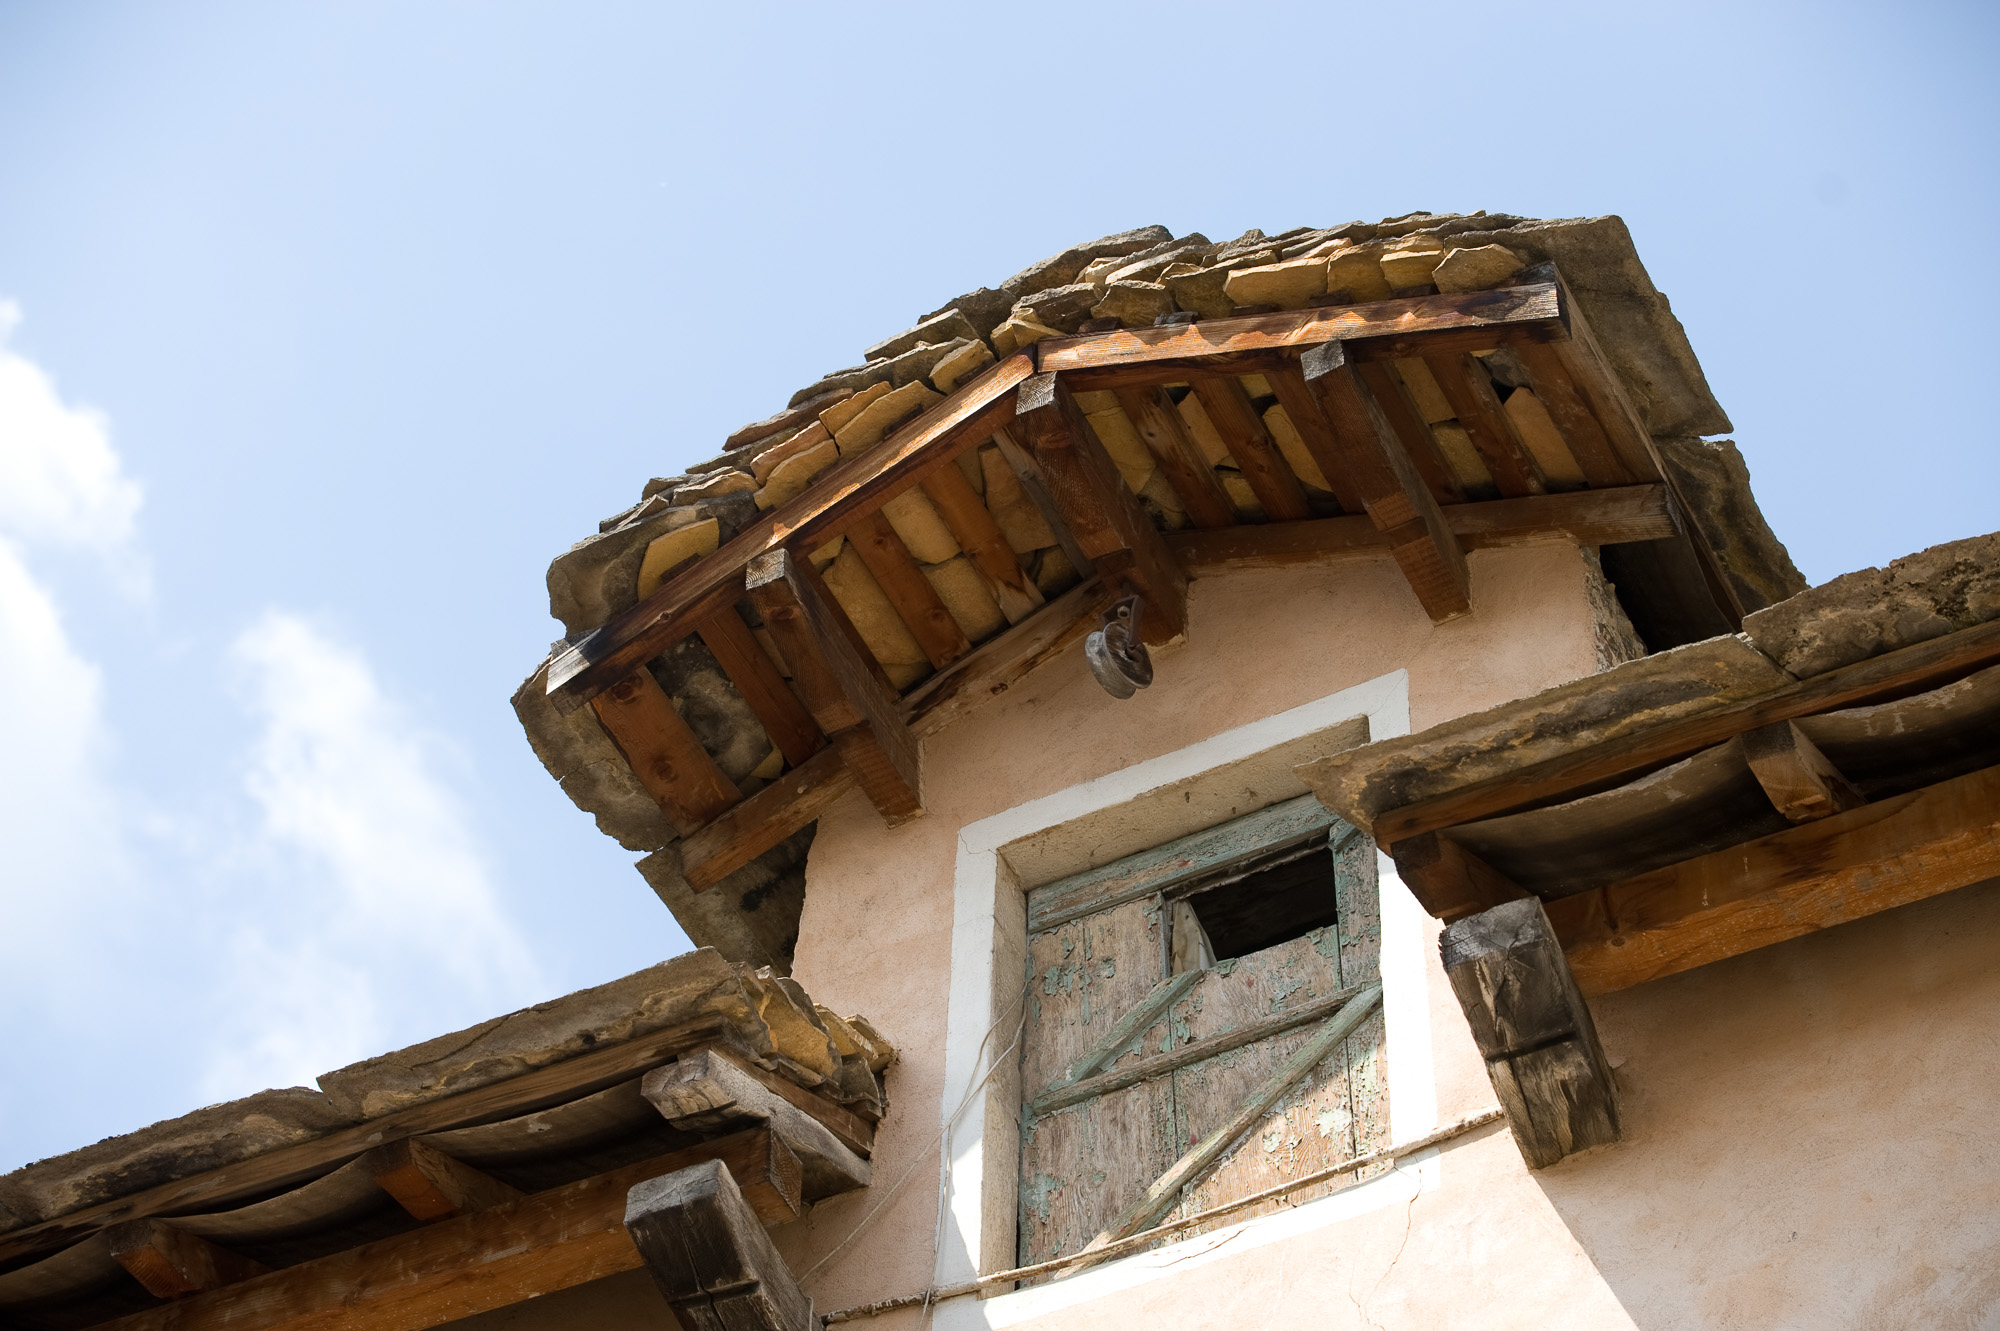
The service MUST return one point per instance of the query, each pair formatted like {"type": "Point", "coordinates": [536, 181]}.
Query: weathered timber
{"type": "Point", "coordinates": [843, 493]}
{"type": "Point", "coordinates": [908, 590]}
{"type": "Point", "coordinates": [1002, 661]}
{"type": "Point", "coordinates": [1102, 514]}
{"type": "Point", "coordinates": [760, 822]}
{"type": "Point", "coordinates": [1578, 424]}
{"type": "Point", "coordinates": [706, 1091]}
{"type": "Point", "coordinates": [1533, 1029]}
{"type": "Point", "coordinates": [1302, 408]}
{"type": "Point", "coordinates": [552, 1240]}
{"type": "Point", "coordinates": [1380, 330]}
{"type": "Point", "coordinates": [1802, 783]}
{"type": "Point", "coordinates": [857, 1134]}
{"type": "Point", "coordinates": [973, 527]}
{"type": "Point", "coordinates": [1478, 409]}
{"type": "Point", "coordinates": [1398, 501]}
{"type": "Point", "coordinates": [1256, 453]}
{"type": "Point", "coordinates": [756, 677]}
{"type": "Point", "coordinates": [1035, 484]}
{"type": "Point", "coordinates": [432, 1186]}
{"type": "Point", "coordinates": [289, 1166]}
{"type": "Point", "coordinates": [171, 1263]}
{"type": "Point", "coordinates": [710, 1257]}
{"type": "Point", "coordinates": [1914, 669]}
{"type": "Point", "coordinates": [1809, 877]}
{"type": "Point", "coordinates": [1393, 396]}
{"type": "Point", "coordinates": [1580, 517]}
{"type": "Point", "coordinates": [1448, 880]}
{"type": "Point", "coordinates": [664, 752]}
{"type": "Point", "coordinates": [1159, 424]}
{"type": "Point", "coordinates": [840, 682]}
{"type": "Point", "coordinates": [1130, 1025]}
{"type": "Point", "coordinates": [1165, 1191]}
{"type": "Point", "coordinates": [1062, 1095]}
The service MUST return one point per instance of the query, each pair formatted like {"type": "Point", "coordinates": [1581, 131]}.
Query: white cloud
{"type": "Point", "coordinates": [388, 897]}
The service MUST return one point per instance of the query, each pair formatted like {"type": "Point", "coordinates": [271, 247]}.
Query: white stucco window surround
{"type": "Point", "coordinates": [1086, 825]}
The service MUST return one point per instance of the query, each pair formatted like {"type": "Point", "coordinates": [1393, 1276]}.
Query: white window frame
{"type": "Point", "coordinates": [1093, 823]}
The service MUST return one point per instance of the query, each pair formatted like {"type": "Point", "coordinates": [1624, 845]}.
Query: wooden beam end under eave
{"type": "Point", "coordinates": [1533, 1030]}
{"type": "Point", "coordinates": [709, 1255]}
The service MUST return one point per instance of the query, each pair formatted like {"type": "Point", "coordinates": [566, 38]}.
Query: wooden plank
{"type": "Point", "coordinates": [846, 491]}
{"type": "Point", "coordinates": [1165, 1190]}
{"type": "Point", "coordinates": [839, 681]}
{"type": "Point", "coordinates": [1380, 330]}
{"type": "Point", "coordinates": [756, 677]}
{"type": "Point", "coordinates": [1448, 880]}
{"type": "Point", "coordinates": [1478, 409]}
{"type": "Point", "coordinates": [1135, 1022]}
{"type": "Point", "coordinates": [1533, 1029]}
{"type": "Point", "coordinates": [1809, 877]}
{"type": "Point", "coordinates": [1302, 408]}
{"type": "Point", "coordinates": [1099, 511]}
{"type": "Point", "coordinates": [908, 590]}
{"type": "Point", "coordinates": [432, 1186]}
{"type": "Point", "coordinates": [172, 1263]}
{"type": "Point", "coordinates": [743, 833]}
{"type": "Point", "coordinates": [1393, 396]}
{"type": "Point", "coordinates": [1581, 517]}
{"type": "Point", "coordinates": [1064, 1093]}
{"type": "Point", "coordinates": [1256, 453]}
{"type": "Point", "coordinates": [664, 752]}
{"type": "Point", "coordinates": [1800, 780]}
{"type": "Point", "coordinates": [1579, 425]}
{"type": "Point", "coordinates": [711, 1258]}
{"type": "Point", "coordinates": [490, 1259]}
{"type": "Point", "coordinates": [706, 1091]}
{"type": "Point", "coordinates": [973, 527]}
{"type": "Point", "coordinates": [1397, 500]}
{"type": "Point", "coordinates": [1154, 416]}
{"type": "Point", "coordinates": [1914, 669]}
{"type": "Point", "coordinates": [288, 1166]}
{"type": "Point", "coordinates": [1002, 661]}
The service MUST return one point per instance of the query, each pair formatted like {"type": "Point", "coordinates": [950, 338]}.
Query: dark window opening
{"type": "Point", "coordinates": [1269, 905]}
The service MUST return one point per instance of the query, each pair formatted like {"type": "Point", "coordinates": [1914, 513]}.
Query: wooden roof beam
{"type": "Point", "coordinates": [1794, 882]}
{"type": "Point", "coordinates": [710, 1257]}
{"type": "Point", "coordinates": [916, 602]}
{"type": "Point", "coordinates": [1256, 344]}
{"type": "Point", "coordinates": [750, 668]}
{"type": "Point", "coordinates": [842, 684]}
{"type": "Point", "coordinates": [1101, 513]}
{"type": "Point", "coordinates": [1159, 424]}
{"type": "Point", "coordinates": [741, 833]}
{"type": "Point", "coordinates": [172, 1263]}
{"type": "Point", "coordinates": [665, 754]}
{"type": "Point", "coordinates": [432, 1186]}
{"type": "Point", "coordinates": [1227, 403]}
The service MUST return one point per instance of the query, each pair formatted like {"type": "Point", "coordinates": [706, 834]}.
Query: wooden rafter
{"type": "Point", "coordinates": [1448, 880]}
{"type": "Point", "coordinates": [171, 1263]}
{"type": "Point", "coordinates": [432, 1186]}
{"type": "Point", "coordinates": [756, 677]}
{"type": "Point", "coordinates": [840, 681]}
{"type": "Point", "coordinates": [1100, 511]}
{"type": "Point", "coordinates": [1398, 501]}
{"type": "Point", "coordinates": [1393, 396]}
{"type": "Point", "coordinates": [902, 580]}
{"type": "Point", "coordinates": [1159, 424]}
{"type": "Point", "coordinates": [1470, 393]}
{"type": "Point", "coordinates": [665, 754]}
{"type": "Point", "coordinates": [1801, 783]}
{"type": "Point", "coordinates": [741, 833]}
{"type": "Point", "coordinates": [1805, 878]}
{"type": "Point", "coordinates": [973, 527]}
{"type": "Point", "coordinates": [1256, 453]}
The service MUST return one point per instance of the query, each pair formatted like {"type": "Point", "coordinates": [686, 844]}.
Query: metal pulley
{"type": "Point", "coordinates": [1117, 658]}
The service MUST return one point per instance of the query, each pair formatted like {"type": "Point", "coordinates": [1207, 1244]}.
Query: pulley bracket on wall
{"type": "Point", "coordinates": [1117, 658]}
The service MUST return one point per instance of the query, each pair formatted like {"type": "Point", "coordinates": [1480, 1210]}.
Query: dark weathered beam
{"type": "Point", "coordinates": [710, 1257]}
{"type": "Point", "coordinates": [749, 829]}
{"type": "Point", "coordinates": [909, 591]}
{"type": "Point", "coordinates": [1381, 330]}
{"type": "Point", "coordinates": [1897, 674]}
{"type": "Point", "coordinates": [707, 1091]}
{"type": "Point", "coordinates": [757, 678]}
{"type": "Point", "coordinates": [843, 493]}
{"type": "Point", "coordinates": [432, 1186]}
{"type": "Point", "coordinates": [1398, 501]}
{"type": "Point", "coordinates": [1477, 406]}
{"type": "Point", "coordinates": [1574, 419]}
{"type": "Point", "coordinates": [840, 682]}
{"type": "Point", "coordinates": [1100, 512]}
{"type": "Point", "coordinates": [1533, 1030]}
{"type": "Point", "coordinates": [1810, 877]}
{"type": "Point", "coordinates": [289, 1166]}
{"type": "Point", "coordinates": [1393, 396]}
{"type": "Point", "coordinates": [490, 1259]}
{"type": "Point", "coordinates": [1802, 784]}
{"type": "Point", "coordinates": [1581, 517]}
{"type": "Point", "coordinates": [172, 1263]}
{"type": "Point", "coordinates": [1235, 418]}
{"type": "Point", "coordinates": [664, 752]}
{"type": "Point", "coordinates": [1448, 880]}
{"type": "Point", "coordinates": [1154, 416]}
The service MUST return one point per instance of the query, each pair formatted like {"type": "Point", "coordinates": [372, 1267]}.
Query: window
{"type": "Point", "coordinates": [1170, 995]}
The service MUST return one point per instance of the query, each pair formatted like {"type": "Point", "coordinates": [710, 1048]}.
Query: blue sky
{"type": "Point", "coordinates": [327, 325]}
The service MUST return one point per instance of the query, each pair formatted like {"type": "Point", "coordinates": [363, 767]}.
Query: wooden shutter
{"type": "Point", "coordinates": [1107, 1111]}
